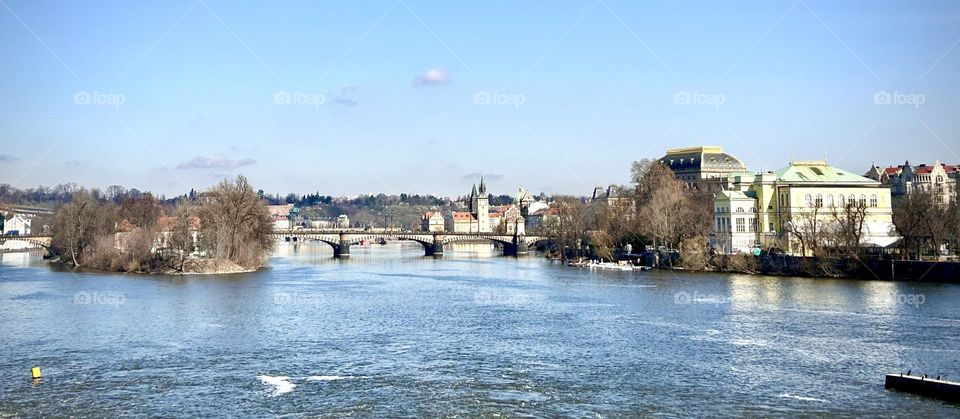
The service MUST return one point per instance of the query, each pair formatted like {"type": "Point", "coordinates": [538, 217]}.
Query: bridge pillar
{"type": "Point", "coordinates": [342, 250]}
{"type": "Point", "coordinates": [517, 248]}
{"type": "Point", "coordinates": [436, 249]}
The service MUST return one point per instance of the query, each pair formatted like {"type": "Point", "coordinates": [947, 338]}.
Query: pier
{"type": "Point", "coordinates": [930, 387]}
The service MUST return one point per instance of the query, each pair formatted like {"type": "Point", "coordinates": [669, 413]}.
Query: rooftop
{"type": "Point", "coordinates": [801, 171]}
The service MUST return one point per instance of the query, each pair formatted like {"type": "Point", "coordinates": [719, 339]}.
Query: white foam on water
{"type": "Point", "coordinates": [330, 377]}
{"type": "Point", "coordinates": [748, 342]}
{"type": "Point", "coordinates": [802, 398]}
{"type": "Point", "coordinates": [280, 384]}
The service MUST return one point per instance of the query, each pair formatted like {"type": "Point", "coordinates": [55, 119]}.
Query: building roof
{"type": "Point", "coordinates": [702, 158]}
{"type": "Point", "coordinates": [818, 171]}
{"type": "Point", "coordinates": [523, 196]}
{"type": "Point", "coordinates": [280, 210]}
{"type": "Point", "coordinates": [734, 195]}
{"type": "Point", "coordinates": [462, 216]}
{"type": "Point", "coordinates": [166, 223]}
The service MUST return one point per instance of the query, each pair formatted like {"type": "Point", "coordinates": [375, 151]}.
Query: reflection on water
{"type": "Point", "coordinates": [390, 332]}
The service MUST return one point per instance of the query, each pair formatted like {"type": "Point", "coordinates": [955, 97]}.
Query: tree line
{"type": "Point", "coordinates": [660, 210]}
{"type": "Point", "coordinates": [229, 223]}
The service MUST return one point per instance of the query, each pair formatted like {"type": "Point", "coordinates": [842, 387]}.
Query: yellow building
{"type": "Point", "coordinates": [801, 206]}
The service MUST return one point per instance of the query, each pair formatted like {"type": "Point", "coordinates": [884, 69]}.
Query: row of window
{"type": "Point", "coordinates": [740, 224]}
{"type": "Point", "coordinates": [739, 209]}
{"type": "Point", "coordinates": [840, 201]}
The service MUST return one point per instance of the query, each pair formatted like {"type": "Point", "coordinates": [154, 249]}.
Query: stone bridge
{"type": "Point", "coordinates": [35, 241]}
{"type": "Point", "coordinates": [432, 242]}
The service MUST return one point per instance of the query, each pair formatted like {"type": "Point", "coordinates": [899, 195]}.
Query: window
{"type": "Point", "coordinates": [851, 200]}
{"type": "Point", "coordinates": [771, 228]}
{"type": "Point", "coordinates": [873, 201]}
{"type": "Point", "coordinates": [741, 225]}
{"type": "Point", "coordinates": [739, 209]}
{"type": "Point", "coordinates": [819, 201]}
{"type": "Point", "coordinates": [830, 202]}
{"type": "Point", "coordinates": [808, 200]}
{"type": "Point", "coordinates": [863, 200]}
{"type": "Point", "coordinates": [753, 226]}
{"type": "Point", "coordinates": [841, 201]}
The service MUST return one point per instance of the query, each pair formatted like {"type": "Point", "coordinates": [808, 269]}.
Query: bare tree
{"type": "Point", "coordinates": [910, 214]}
{"type": "Point", "coordinates": [140, 210]}
{"type": "Point", "coordinates": [570, 226]}
{"type": "Point", "coordinates": [181, 243]}
{"type": "Point", "coordinates": [848, 222]}
{"type": "Point", "coordinates": [807, 227]}
{"type": "Point", "coordinates": [235, 224]}
{"type": "Point", "coordinates": [661, 204]}
{"type": "Point", "coordinates": [78, 223]}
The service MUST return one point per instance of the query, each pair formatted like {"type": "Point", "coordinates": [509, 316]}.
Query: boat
{"type": "Point", "coordinates": [611, 266]}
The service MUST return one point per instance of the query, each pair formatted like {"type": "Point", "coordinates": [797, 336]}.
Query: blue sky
{"type": "Point", "coordinates": [420, 97]}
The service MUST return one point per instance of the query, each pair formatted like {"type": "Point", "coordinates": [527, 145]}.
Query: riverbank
{"type": "Point", "coordinates": [844, 268]}
{"type": "Point", "coordinates": [192, 266]}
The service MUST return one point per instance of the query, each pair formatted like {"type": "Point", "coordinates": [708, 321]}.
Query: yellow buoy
{"type": "Point", "coordinates": [35, 372]}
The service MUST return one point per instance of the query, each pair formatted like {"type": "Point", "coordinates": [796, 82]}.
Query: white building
{"type": "Point", "coordinates": [18, 223]}
{"type": "Point", "coordinates": [432, 221]}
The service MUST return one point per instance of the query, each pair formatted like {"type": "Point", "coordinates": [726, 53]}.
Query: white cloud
{"type": "Point", "coordinates": [215, 162]}
{"type": "Point", "coordinates": [432, 77]}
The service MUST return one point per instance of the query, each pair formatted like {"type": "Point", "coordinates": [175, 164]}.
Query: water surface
{"type": "Point", "coordinates": [390, 332]}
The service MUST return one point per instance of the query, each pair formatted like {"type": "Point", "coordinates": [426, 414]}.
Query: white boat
{"type": "Point", "coordinates": [611, 266]}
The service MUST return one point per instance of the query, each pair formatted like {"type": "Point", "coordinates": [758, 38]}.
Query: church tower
{"type": "Point", "coordinates": [483, 209]}
{"type": "Point", "coordinates": [473, 199]}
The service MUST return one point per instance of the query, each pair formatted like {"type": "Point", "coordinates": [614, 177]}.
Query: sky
{"type": "Point", "coordinates": [392, 96]}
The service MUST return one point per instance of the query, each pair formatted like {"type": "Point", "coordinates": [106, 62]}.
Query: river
{"type": "Point", "coordinates": [390, 332]}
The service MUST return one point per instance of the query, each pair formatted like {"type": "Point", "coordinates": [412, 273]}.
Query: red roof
{"type": "Point", "coordinates": [462, 216]}
{"type": "Point", "coordinates": [167, 223]}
